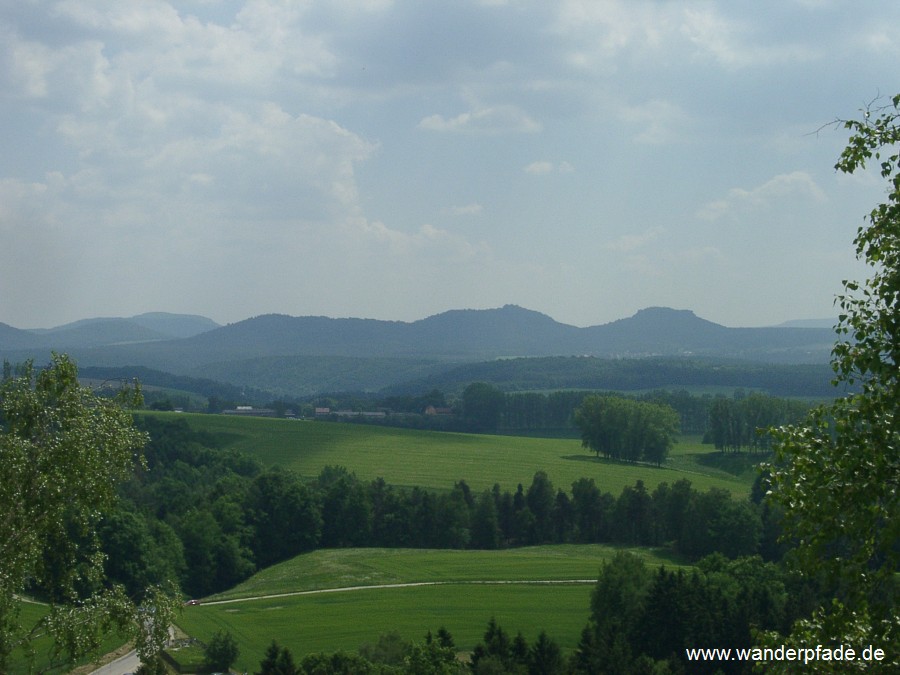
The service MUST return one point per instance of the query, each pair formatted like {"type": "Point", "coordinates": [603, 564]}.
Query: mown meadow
{"type": "Point", "coordinates": [469, 587]}
{"type": "Point", "coordinates": [345, 621]}
{"type": "Point", "coordinates": [344, 568]}
{"type": "Point", "coordinates": [436, 460]}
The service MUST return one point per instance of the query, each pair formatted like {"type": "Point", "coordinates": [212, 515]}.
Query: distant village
{"type": "Point", "coordinates": [325, 412]}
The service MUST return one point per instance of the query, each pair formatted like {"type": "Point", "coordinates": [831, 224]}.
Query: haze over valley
{"type": "Point", "coordinates": [301, 356]}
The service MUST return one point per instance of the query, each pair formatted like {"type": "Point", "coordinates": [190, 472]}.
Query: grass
{"type": "Point", "coordinates": [341, 568]}
{"type": "Point", "coordinates": [463, 604]}
{"type": "Point", "coordinates": [190, 658]}
{"type": "Point", "coordinates": [31, 614]}
{"type": "Point", "coordinates": [436, 460]}
{"type": "Point", "coordinates": [346, 620]}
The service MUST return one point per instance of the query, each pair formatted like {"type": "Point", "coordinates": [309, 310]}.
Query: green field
{"type": "Point", "coordinates": [30, 614]}
{"type": "Point", "coordinates": [342, 568]}
{"type": "Point", "coordinates": [346, 619]}
{"type": "Point", "coordinates": [436, 460]}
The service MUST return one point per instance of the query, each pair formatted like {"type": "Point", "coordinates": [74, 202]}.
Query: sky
{"type": "Point", "coordinates": [394, 159]}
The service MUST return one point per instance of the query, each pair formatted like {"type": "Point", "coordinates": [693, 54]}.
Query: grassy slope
{"type": "Point", "coordinates": [347, 619]}
{"type": "Point", "coordinates": [436, 460]}
{"type": "Point", "coordinates": [341, 568]}
{"type": "Point", "coordinates": [30, 615]}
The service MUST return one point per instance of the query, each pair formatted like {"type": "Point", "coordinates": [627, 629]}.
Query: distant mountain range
{"type": "Point", "coordinates": [809, 323]}
{"type": "Point", "coordinates": [368, 353]}
{"type": "Point", "coordinates": [101, 332]}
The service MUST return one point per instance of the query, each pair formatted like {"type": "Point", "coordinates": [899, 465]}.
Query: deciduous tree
{"type": "Point", "coordinates": [623, 428]}
{"type": "Point", "coordinates": [63, 452]}
{"type": "Point", "coordinates": [837, 475]}
{"type": "Point", "coordinates": [221, 651]}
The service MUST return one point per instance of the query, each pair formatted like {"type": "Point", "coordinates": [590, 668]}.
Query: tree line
{"type": "Point", "coordinates": [729, 422]}
{"type": "Point", "coordinates": [739, 422]}
{"type": "Point", "coordinates": [210, 518]}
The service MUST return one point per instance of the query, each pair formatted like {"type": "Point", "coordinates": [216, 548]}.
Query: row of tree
{"type": "Point", "coordinates": [730, 423]}
{"type": "Point", "coordinates": [743, 422]}
{"type": "Point", "coordinates": [390, 654]}
{"type": "Point", "coordinates": [435, 655]}
{"type": "Point", "coordinates": [210, 518]}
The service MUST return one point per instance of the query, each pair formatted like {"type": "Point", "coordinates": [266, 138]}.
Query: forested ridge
{"type": "Point", "coordinates": [296, 380]}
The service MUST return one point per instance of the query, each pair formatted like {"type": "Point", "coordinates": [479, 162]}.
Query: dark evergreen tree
{"type": "Point", "coordinates": [719, 523]}
{"type": "Point", "coordinates": [545, 657]}
{"type": "Point", "coordinates": [424, 518]}
{"type": "Point", "coordinates": [486, 532]}
{"type": "Point", "coordinates": [592, 512]}
{"type": "Point", "coordinates": [633, 515]}
{"type": "Point", "coordinates": [494, 650]}
{"type": "Point", "coordinates": [445, 639]}
{"type": "Point", "coordinates": [453, 519]}
{"type": "Point", "coordinates": [520, 652]}
{"type": "Point", "coordinates": [277, 661]}
{"type": "Point", "coordinates": [338, 663]}
{"type": "Point", "coordinates": [563, 517]}
{"type": "Point", "coordinates": [540, 500]}
{"type": "Point", "coordinates": [346, 512]}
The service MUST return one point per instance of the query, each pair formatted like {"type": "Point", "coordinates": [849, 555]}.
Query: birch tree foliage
{"type": "Point", "coordinates": [837, 474]}
{"type": "Point", "coordinates": [63, 451]}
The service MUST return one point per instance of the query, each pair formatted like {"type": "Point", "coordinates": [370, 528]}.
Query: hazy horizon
{"type": "Point", "coordinates": [817, 322]}
{"type": "Point", "coordinates": [395, 159]}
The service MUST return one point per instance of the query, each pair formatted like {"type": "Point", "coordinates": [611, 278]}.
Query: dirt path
{"type": "Point", "coordinates": [413, 584]}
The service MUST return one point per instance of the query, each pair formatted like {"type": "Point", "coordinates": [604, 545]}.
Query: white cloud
{"type": "Point", "coordinates": [797, 184]}
{"type": "Point", "coordinates": [255, 147]}
{"type": "Point", "coordinates": [597, 31]}
{"type": "Point", "coordinates": [539, 167]}
{"type": "Point", "coordinates": [880, 40]}
{"type": "Point", "coordinates": [656, 122]}
{"type": "Point", "coordinates": [543, 167]}
{"type": "Point", "coordinates": [631, 242]}
{"type": "Point", "coordinates": [732, 43]}
{"type": "Point", "coordinates": [75, 75]}
{"type": "Point", "coordinates": [496, 119]}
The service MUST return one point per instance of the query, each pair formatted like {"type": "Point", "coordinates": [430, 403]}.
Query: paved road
{"type": "Point", "coordinates": [125, 664]}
